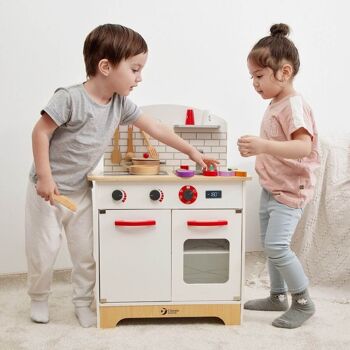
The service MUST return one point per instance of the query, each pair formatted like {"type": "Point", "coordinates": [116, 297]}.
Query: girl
{"type": "Point", "coordinates": [286, 159]}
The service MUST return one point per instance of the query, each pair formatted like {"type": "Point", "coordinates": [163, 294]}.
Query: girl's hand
{"type": "Point", "coordinates": [46, 187]}
{"type": "Point", "coordinates": [201, 159]}
{"type": "Point", "coordinates": [249, 145]}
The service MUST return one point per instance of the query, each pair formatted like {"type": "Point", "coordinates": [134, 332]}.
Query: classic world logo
{"type": "Point", "coordinates": [164, 311]}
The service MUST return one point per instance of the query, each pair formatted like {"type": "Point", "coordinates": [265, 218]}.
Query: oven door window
{"type": "Point", "coordinates": [206, 261]}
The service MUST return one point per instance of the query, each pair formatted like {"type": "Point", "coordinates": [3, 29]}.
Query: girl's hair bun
{"type": "Point", "coordinates": [280, 29]}
{"type": "Point", "coordinates": [274, 50]}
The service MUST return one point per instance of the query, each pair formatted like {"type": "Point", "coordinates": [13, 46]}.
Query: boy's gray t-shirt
{"type": "Point", "coordinates": [84, 132]}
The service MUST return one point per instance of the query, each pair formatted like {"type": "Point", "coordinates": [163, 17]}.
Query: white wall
{"type": "Point", "coordinates": [197, 57]}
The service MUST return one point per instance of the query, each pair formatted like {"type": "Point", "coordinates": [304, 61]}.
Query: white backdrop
{"type": "Point", "coordinates": [197, 57]}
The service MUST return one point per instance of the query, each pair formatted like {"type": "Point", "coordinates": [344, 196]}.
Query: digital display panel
{"type": "Point", "coordinates": [213, 194]}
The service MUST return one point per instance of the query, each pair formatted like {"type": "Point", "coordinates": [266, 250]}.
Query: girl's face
{"type": "Point", "coordinates": [264, 81]}
{"type": "Point", "coordinates": [127, 74]}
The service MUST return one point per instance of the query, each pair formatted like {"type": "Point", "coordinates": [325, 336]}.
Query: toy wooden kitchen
{"type": "Point", "coordinates": [168, 246]}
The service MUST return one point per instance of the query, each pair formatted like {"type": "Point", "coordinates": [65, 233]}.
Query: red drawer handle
{"type": "Point", "coordinates": [135, 223]}
{"type": "Point", "coordinates": [207, 223]}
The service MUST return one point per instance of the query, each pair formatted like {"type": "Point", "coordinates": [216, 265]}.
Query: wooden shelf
{"type": "Point", "coordinates": [200, 127]}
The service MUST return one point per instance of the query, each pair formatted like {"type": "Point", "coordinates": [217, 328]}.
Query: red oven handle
{"type": "Point", "coordinates": [135, 223]}
{"type": "Point", "coordinates": [207, 223]}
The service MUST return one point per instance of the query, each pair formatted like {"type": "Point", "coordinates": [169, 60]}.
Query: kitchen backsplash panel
{"type": "Point", "coordinates": [212, 142]}
{"type": "Point", "coordinates": [209, 134]}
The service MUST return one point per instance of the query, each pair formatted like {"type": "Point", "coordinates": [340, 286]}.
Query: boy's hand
{"type": "Point", "coordinates": [46, 187]}
{"type": "Point", "coordinates": [200, 158]}
{"type": "Point", "coordinates": [249, 145]}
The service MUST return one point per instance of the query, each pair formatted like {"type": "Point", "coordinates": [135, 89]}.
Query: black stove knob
{"type": "Point", "coordinates": [117, 195]}
{"type": "Point", "coordinates": [155, 195]}
{"type": "Point", "coordinates": [188, 194]}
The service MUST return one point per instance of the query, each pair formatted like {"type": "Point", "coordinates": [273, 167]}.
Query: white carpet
{"type": "Point", "coordinates": [329, 329]}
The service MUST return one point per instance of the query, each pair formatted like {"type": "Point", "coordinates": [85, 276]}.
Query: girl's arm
{"type": "Point", "coordinates": [41, 136]}
{"type": "Point", "coordinates": [300, 146]}
{"type": "Point", "coordinates": [165, 135]}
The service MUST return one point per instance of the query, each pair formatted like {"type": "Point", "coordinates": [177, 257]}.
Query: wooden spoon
{"type": "Point", "coordinates": [65, 201]}
{"type": "Point", "coordinates": [130, 148]}
{"type": "Point", "coordinates": [116, 154]}
{"type": "Point", "coordinates": [151, 150]}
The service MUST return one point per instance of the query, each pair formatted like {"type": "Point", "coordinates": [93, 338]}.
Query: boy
{"type": "Point", "coordinates": [68, 141]}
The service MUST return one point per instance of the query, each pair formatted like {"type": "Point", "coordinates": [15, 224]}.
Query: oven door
{"type": "Point", "coordinates": [206, 258]}
{"type": "Point", "coordinates": [134, 255]}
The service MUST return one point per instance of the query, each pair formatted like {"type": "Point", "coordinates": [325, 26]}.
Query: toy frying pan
{"type": "Point", "coordinates": [184, 173]}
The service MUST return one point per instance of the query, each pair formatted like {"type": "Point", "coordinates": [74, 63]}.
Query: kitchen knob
{"type": "Point", "coordinates": [188, 195]}
{"type": "Point", "coordinates": [155, 195]}
{"type": "Point", "coordinates": [117, 195]}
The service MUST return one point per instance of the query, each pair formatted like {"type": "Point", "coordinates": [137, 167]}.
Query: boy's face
{"type": "Point", "coordinates": [264, 81]}
{"type": "Point", "coordinates": [127, 74]}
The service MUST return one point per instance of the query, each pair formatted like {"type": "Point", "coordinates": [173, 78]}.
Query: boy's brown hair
{"type": "Point", "coordinates": [272, 51]}
{"type": "Point", "coordinates": [113, 42]}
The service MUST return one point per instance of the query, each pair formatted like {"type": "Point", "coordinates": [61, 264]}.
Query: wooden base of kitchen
{"type": "Point", "coordinates": [230, 314]}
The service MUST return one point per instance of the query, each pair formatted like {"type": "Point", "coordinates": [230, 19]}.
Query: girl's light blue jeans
{"type": "Point", "coordinates": [277, 225]}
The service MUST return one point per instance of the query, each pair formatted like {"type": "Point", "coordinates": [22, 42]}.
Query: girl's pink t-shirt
{"type": "Point", "coordinates": [291, 181]}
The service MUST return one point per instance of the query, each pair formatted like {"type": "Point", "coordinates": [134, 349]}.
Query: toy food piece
{"type": "Point", "coordinates": [210, 173]}
{"type": "Point", "coordinates": [240, 173]}
{"type": "Point", "coordinates": [226, 173]}
{"type": "Point", "coordinates": [145, 155]}
{"type": "Point", "coordinates": [184, 173]}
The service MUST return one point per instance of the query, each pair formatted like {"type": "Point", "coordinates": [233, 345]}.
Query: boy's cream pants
{"type": "Point", "coordinates": [44, 225]}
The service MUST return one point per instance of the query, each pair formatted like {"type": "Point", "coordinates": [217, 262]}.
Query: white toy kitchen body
{"type": "Point", "coordinates": [168, 247]}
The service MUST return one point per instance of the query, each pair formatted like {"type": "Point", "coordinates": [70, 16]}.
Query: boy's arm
{"type": "Point", "coordinates": [41, 135]}
{"type": "Point", "coordinates": [300, 146]}
{"type": "Point", "coordinates": [165, 135]}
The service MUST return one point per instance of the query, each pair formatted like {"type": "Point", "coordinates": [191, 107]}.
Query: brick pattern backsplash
{"type": "Point", "coordinates": [212, 142]}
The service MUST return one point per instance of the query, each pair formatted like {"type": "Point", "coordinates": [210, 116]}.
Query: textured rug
{"type": "Point", "coordinates": [327, 330]}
